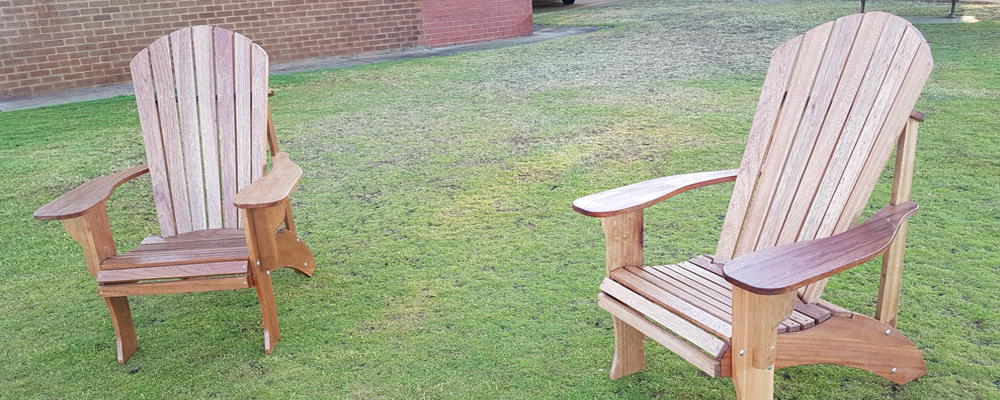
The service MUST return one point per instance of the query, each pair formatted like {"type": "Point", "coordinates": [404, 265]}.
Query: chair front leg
{"type": "Point", "coordinates": [93, 232]}
{"type": "Point", "coordinates": [755, 335]}
{"type": "Point", "coordinates": [121, 318]}
{"type": "Point", "coordinates": [260, 226]}
{"type": "Point", "coordinates": [623, 248]}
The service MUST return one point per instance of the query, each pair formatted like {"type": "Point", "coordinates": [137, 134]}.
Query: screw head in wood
{"type": "Point", "coordinates": [769, 367]}
{"type": "Point", "coordinates": [887, 332]}
{"type": "Point", "coordinates": [297, 239]}
{"type": "Point", "coordinates": [894, 370]}
{"type": "Point", "coordinates": [305, 264]}
{"type": "Point", "coordinates": [742, 352]}
{"type": "Point", "coordinates": [269, 272]}
{"type": "Point", "coordinates": [258, 262]}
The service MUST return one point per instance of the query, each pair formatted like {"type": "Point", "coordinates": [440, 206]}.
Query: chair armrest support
{"type": "Point", "coordinates": [274, 187]}
{"type": "Point", "coordinates": [644, 194]}
{"type": "Point", "coordinates": [83, 198]}
{"type": "Point", "coordinates": [785, 268]}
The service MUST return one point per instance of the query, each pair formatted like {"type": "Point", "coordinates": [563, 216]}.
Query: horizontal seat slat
{"type": "Point", "coordinates": [705, 302]}
{"type": "Point", "coordinates": [814, 311]}
{"type": "Point", "coordinates": [197, 247]}
{"type": "Point", "coordinates": [172, 272]}
{"type": "Point", "coordinates": [187, 257]}
{"type": "Point", "coordinates": [178, 286]}
{"type": "Point", "coordinates": [698, 297]}
{"type": "Point", "coordinates": [704, 362]}
{"type": "Point", "coordinates": [680, 326]}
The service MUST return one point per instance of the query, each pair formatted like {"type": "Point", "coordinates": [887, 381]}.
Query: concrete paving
{"type": "Point", "coordinates": [540, 34]}
{"type": "Point", "coordinates": [557, 5]}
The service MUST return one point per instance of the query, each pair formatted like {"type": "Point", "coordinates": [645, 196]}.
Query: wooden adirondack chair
{"type": "Point", "coordinates": [202, 98]}
{"type": "Point", "coordinates": [834, 102]}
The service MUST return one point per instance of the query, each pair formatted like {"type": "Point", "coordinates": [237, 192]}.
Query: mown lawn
{"type": "Point", "coordinates": [436, 200]}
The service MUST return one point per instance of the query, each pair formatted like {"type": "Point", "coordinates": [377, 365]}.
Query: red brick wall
{"type": "Point", "coordinates": [48, 46]}
{"type": "Point", "coordinates": [56, 45]}
{"type": "Point", "coordinates": [449, 22]}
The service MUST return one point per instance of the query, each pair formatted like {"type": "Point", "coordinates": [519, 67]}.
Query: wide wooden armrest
{"type": "Point", "coordinates": [781, 269]}
{"type": "Point", "coordinates": [78, 201]}
{"type": "Point", "coordinates": [273, 187]}
{"type": "Point", "coordinates": [644, 194]}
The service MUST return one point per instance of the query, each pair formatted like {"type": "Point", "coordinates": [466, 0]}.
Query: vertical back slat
{"type": "Point", "coordinates": [149, 120]}
{"type": "Point", "coordinates": [837, 50]}
{"type": "Point", "coordinates": [187, 105]}
{"type": "Point", "coordinates": [166, 101]}
{"type": "Point", "coordinates": [840, 108]}
{"type": "Point", "coordinates": [918, 73]}
{"type": "Point", "coordinates": [771, 98]}
{"type": "Point", "coordinates": [258, 100]}
{"type": "Point", "coordinates": [241, 75]}
{"type": "Point", "coordinates": [906, 98]}
{"type": "Point", "coordinates": [800, 87]}
{"type": "Point", "coordinates": [225, 84]}
{"type": "Point", "coordinates": [205, 81]}
{"type": "Point", "coordinates": [866, 145]}
{"type": "Point", "coordinates": [885, 49]}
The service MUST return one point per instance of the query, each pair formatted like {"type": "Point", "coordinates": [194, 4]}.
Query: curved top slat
{"type": "Point", "coordinates": [833, 104]}
{"type": "Point", "coordinates": [204, 124]}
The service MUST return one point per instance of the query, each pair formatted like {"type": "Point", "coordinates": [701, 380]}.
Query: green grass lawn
{"type": "Point", "coordinates": [436, 199]}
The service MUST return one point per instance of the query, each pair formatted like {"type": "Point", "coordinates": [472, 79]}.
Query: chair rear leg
{"type": "Point", "coordinates": [268, 311]}
{"type": "Point", "coordinates": [121, 317]}
{"type": "Point", "coordinates": [630, 352]}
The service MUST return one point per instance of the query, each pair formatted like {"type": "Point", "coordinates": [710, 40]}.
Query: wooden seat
{"type": "Point", "coordinates": [202, 95]}
{"type": "Point", "coordinates": [835, 102]}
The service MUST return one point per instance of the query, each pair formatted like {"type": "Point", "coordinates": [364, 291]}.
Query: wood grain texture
{"type": "Point", "coordinates": [872, 149]}
{"type": "Point", "coordinates": [636, 320]}
{"type": "Point", "coordinates": [294, 253]}
{"type": "Point", "coordinates": [801, 150]}
{"type": "Point", "coordinates": [891, 278]}
{"type": "Point", "coordinates": [261, 224]}
{"type": "Point", "coordinates": [225, 82]}
{"type": "Point", "coordinates": [630, 350]}
{"type": "Point", "coordinates": [679, 325]}
{"type": "Point", "coordinates": [121, 318]}
{"type": "Point", "coordinates": [691, 312]}
{"type": "Point", "coordinates": [858, 342]}
{"type": "Point", "coordinates": [622, 240]}
{"type": "Point", "coordinates": [888, 136]}
{"type": "Point", "coordinates": [242, 81]}
{"type": "Point", "coordinates": [644, 194]}
{"type": "Point", "coordinates": [839, 174]}
{"type": "Point", "coordinates": [837, 113]}
{"type": "Point", "coordinates": [785, 268]}
{"type": "Point", "coordinates": [755, 334]}
{"type": "Point", "coordinates": [797, 95]}
{"type": "Point", "coordinates": [172, 272]}
{"type": "Point", "coordinates": [204, 67]}
{"type": "Point", "coordinates": [772, 96]}
{"type": "Point", "coordinates": [273, 188]}
{"type": "Point", "coordinates": [259, 111]}
{"type": "Point", "coordinates": [835, 310]}
{"type": "Point", "coordinates": [149, 121]}
{"type": "Point", "coordinates": [169, 133]}
{"type": "Point", "coordinates": [196, 247]}
{"type": "Point", "coordinates": [272, 135]}
{"type": "Point", "coordinates": [93, 232]}
{"type": "Point", "coordinates": [85, 197]}
{"type": "Point", "coordinates": [179, 286]}
{"type": "Point", "coordinates": [187, 107]}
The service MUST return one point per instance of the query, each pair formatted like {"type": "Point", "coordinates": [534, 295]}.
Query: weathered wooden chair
{"type": "Point", "coordinates": [834, 103]}
{"type": "Point", "coordinates": [202, 95]}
